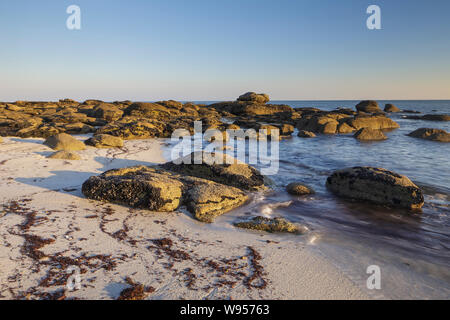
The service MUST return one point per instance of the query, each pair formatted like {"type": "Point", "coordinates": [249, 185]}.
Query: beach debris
{"type": "Point", "coordinates": [431, 134]}
{"type": "Point", "coordinates": [64, 141]}
{"type": "Point", "coordinates": [105, 141]}
{"type": "Point", "coordinates": [272, 225]}
{"type": "Point", "coordinates": [376, 185]}
{"type": "Point", "coordinates": [65, 155]}
{"type": "Point", "coordinates": [298, 189]}
{"type": "Point", "coordinates": [368, 134]}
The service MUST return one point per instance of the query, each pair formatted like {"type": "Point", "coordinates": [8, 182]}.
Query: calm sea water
{"type": "Point", "coordinates": [412, 249]}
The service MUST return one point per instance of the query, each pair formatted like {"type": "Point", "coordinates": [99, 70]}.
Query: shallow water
{"type": "Point", "coordinates": [411, 248]}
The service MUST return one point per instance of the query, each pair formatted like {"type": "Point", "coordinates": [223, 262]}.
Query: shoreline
{"type": "Point", "coordinates": [117, 242]}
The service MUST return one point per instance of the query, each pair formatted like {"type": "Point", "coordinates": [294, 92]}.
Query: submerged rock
{"type": "Point", "coordinates": [306, 134]}
{"type": "Point", "coordinates": [269, 225]}
{"type": "Point", "coordinates": [105, 141]}
{"type": "Point", "coordinates": [378, 122]}
{"type": "Point", "coordinates": [430, 117]}
{"type": "Point", "coordinates": [376, 185]}
{"type": "Point", "coordinates": [65, 155]}
{"type": "Point", "coordinates": [298, 189]}
{"type": "Point", "coordinates": [64, 141]}
{"type": "Point", "coordinates": [368, 134]}
{"type": "Point", "coordinates": [368, 106]}
{"type": "Point", "coordinates": [431, 134]}
{"type": "Point", "coordinates": [164, 188]}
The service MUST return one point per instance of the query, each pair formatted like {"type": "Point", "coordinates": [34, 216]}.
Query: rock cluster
{"type": "Point", "coordinates": [207, 189]}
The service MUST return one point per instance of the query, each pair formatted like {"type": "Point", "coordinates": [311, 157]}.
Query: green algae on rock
{"type": "Point", "coordinates": [269, 225]}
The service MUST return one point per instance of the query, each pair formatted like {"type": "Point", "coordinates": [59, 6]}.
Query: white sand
{"type": "Point", "coordinates": [80, 227]}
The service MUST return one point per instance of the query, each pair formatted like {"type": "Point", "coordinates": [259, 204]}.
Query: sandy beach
{"type": "Point", "coordinates": [48, 226]}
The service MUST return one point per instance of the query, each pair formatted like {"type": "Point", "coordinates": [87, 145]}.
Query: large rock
{"type": "Point", "coordinates": [306, 134]}
{"type": "Point", "coordinates": [64, 141]}
{"type": "Point", "coordinates": [64, 155]}
{"type": "Point", "coordinates": [378, 122]}
{"type": "Point", "coordinates": [108, 112]}
{"type": "Point", "coordinates": [368, 106]}
{"type": "Point", "coordinates": [255, 97]}
{"type": "Point", "coordinates": [220, 168]}
{"type": "Point", "coordinates": [298, 189]}
{"type": "Point", "coordinates": [391, 108]}
{"type": "Point", "coordinates": [376, 185]}
{"type": "Point", "coordinates": [157, 189]}
{"type": "Point", "coordinates": [368, 134]}
{"type": "Point", "coordinates": [105, 141]}
{"type": "Point", "coordinates": [431, 134]}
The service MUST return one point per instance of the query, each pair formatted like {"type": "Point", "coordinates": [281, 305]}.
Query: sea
{"type": "Point", "coordinates": [410, 248]}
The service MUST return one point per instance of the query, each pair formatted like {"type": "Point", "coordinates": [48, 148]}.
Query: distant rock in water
{"type": "Point", "coordinates": [369, 106]}
{"type": "Point", "coordinates": [207, 190]}
{"type": "Point", "coordinates": [431, 134]}
{"type": "Point", "coordinates": [376, 185]}
{"type": "Point", "coordinates": [105, 141]}
{"type": "Point", "coordinates": [431, 117]}
{"type": "Point", "coordinates": [306, 134]}
{"type": "Point", "coordinates": [269, 225]}
{"type": "Point", "coordinates": [368, 134]}
{"type": "Point", "coordinates": [391, 108]}
{"type": "Point", "coordinates": [298, 189]}
{"type": "Point", "coordinates": [64, 141]}
{"type": "Point", "coordinates": [255, 97]}
{"type": "Point", "coordinates": [64, 155]}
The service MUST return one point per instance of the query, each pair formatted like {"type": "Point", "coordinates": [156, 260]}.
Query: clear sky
{"type": "Point", "coordinates": [216, 50]}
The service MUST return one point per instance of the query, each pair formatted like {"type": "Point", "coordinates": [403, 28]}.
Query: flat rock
{"type": "Point", "coordinates": [368, 134]}
{"type": "Point", "coordinates": [431, 134]}
{"type": "Point", "coordinates": [379, 122]}
{"type": "Point", "coordinates": [64, 155]}
{"type": "Point", "coordinates": [64, 141]}
{"type": "Point", "coordinates": [105, 141]}
{"type": "Point", "coordinates": [376, 185]}
{"type": "Point", "coordinates": [271, 225]}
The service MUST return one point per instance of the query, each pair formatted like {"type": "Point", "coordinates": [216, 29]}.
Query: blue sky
{"type": "Point", "coordinates": [216, 50]}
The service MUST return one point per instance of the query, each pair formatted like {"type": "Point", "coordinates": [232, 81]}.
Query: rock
{"type": "Point", "coordinates": [286, 129]}
{"type": "Point", "coordinates": [318, 124]}
{"type": "Point", "coordinates": [391, 108]}
{"type": "Point", "coordinates": [306, 134]}
{"type": "Point", "coordinates": [208, 200]}
{"type": "Point", "coordinates": [298, 189]}
{"type": "Point", "coordinates": [368, 134]}
{"type": "Point", "coordinates": [1, 140]}
{"type": "Point", "coordinates": [108, 112]}
{"type": "Point", "coordinates": [138, 187]}
{"type": "Point", "coordinates": [376, 185]}
{"type": "Point", "coordinates": [251, 96]}
{"type": "Point", "coordinates": [269, 225]}
{"type": "Point", "coordinates": [368, 106]}
{"type": "Point", "coordinates": [379, 122]}
{"type": "Point", "coordinates": [261, 109]}
{"type": "Point", "coordinates": [436, 117]}
{"type": "Point", "coordinates": [171, 104]}
{"type": "Point", "coordinates": [157, 189]}
{"type": "Point", "coordinates": [431, 134]}
{"type": "Point", "coordinates": [65, 155]}
{"type": "Point", "coordinates": [345, 128]}
{"type": "Point", "coordinates": [145, 109]}
{"type": "Point", "coordinates": [63, 141]}
{"type": "Point", "coordinates": [105, 141]}
{"type": "Point", "coordinates": [226, 170]}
